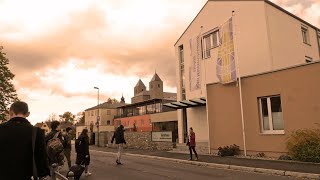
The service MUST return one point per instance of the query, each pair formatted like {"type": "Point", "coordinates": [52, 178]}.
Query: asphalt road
{"type": "Point", "coordinates": [103, 167]}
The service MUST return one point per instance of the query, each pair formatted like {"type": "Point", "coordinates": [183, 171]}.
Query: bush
{"type": "Point", "coordinates": [285, 157]}
{"type": "Point", "coordinates": [229, 150]}
{"type": "Point", "coordinates": [261, 155]}
{"type": "Point", "coordinates": [304, 145]}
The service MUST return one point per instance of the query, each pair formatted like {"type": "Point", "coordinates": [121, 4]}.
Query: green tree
{"type": "Point", "coordinates": [112, 100]}
{"type": "Point", "coordinates": [7, 91]}
{"type": "Point", "coordinates": [67, 117]}
{"type": "Point", "coordinates": [82, 119]}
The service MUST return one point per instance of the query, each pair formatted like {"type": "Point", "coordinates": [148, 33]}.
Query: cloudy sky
{"type": "Point", "coordinates": [59, 50]}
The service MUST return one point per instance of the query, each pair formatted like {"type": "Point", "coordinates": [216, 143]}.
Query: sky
{"type": "Point", "coordinates": [60, 50]}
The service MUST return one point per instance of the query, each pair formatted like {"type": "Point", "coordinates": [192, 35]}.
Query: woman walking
{"type": "Point", "coordinates": [192, 143]}
{"type": "Point", "coordinates": [119, 137]}
{"type": "Point", "coordinates": [83, 156]}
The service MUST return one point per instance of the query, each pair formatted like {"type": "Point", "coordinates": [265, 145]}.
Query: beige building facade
{"type": "Point", "coordinates": [266, 38]}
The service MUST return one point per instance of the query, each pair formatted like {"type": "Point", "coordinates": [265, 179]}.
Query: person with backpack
{"type": "Point", "coordinates": [67, 145]}
{"type": "Point", "coordinates": [23, 149]}
{"type": "Point", "coordinates": [118, 135]}
{"type": "Point", "coordinates": [54, 141]}
{"type": "Point", "coordinates": [82, 149]}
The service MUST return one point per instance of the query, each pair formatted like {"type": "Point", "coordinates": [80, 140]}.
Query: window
{"type": "Point", "coordinates": [151, 86]}
{"type": "Point", "coordinates": [182, 74]}
{"type": "Point", "coordinates": [108, 122]}
{"type": "Point", "coordinates": [308, 59]}
{"type": "Point", "coordinates": [158, 85]}
{"type": "Point", "coordinates": [271, 115]}
{"type": "Point", "coordinates": [305, 35]}
{"type": "Point", "coordinates": [108, 112]}
{"type": "Point", "coordinates": [91, 113]}
{"type": "Point", "coordinates": [210, 41]}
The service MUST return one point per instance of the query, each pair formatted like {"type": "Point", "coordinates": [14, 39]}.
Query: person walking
{"type": "Point", "coordinates": [83, 155]}
{"type": "Point", "coordinates": [67, 145]}
{"type": "Point", "coordinates": [192, 143]}
{"type": "Point", "coordinates": [23, 149]}
{"type": "Point", "coordinates": [118, 135]}
{"type": "Point", "coordinates": [55, 149]}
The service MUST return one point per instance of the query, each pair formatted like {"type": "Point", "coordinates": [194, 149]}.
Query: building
{"type": "Point", "coordinates": [267, 42]}
{"type": "Point", "coordinates": [44, 126]}
{"type": "Point", "coordinates": [147, 113]}
{"type": "Point", "coordinates": [105, 112]}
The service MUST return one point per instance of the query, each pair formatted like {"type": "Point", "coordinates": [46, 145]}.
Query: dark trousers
{"type": "Point", "coordinates": [194, 150]}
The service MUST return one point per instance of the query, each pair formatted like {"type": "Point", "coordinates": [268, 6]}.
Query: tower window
{"type": "Point", "coordinates": [158, 85]}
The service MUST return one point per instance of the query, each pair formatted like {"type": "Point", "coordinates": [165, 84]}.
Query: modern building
{"type": "Point", "coordinates": [147, 113]}
{"type": "Point", "coordinates": [271, 49]}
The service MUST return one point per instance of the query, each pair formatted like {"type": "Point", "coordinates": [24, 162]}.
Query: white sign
{"type": "Point", "coordinates": [162, 136]}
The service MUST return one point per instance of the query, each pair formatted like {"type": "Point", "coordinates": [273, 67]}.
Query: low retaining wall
{"type": "Point", "coordinates": [136, 140]}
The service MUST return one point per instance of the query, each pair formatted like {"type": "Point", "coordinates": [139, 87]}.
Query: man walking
{"type": "Point", "coordinates": [55, 143]}
{"type": "Point", "coordinates": [119, 137]}
{"type": "Point", "coordinates": [16, 139]}
{"type": "Point", "coordinates": [67, 145]}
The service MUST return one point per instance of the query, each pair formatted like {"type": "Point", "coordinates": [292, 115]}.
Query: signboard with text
{"type": "Point", "coordinates": [165, 136]}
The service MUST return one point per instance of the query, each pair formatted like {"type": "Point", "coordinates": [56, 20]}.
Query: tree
{"type": "Point", "coordinates": [52, 117]}
{"type": "Point", "coordinates": [67, 117]}
{"type": "Point", "coordinates": [112, 101]}
{"type": "Point", "coordinates": [7, 91]}
{"type": "Point", "coordinates": [81, 119]}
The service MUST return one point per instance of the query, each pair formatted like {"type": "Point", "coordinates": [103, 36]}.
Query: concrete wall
{"type": "Point", "coordinates": [300, 99]}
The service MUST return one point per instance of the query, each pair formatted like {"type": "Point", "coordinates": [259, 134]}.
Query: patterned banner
{"type": "Point", "coordinates": [226, 68]}
{"type": "Point", "coordinates": [195, 57]}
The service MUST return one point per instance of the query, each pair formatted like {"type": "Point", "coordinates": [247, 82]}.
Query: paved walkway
{"type": "Point", "coordinates": [256, 163]}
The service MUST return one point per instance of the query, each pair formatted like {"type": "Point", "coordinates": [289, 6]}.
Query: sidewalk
{"type": "Point", "coordinates": [292, 168]}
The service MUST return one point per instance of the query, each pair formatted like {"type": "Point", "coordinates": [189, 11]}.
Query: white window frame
{"type": "Point", "coordinates": [207, 51]}
{"type": "Point", "coordinates": [271, 131]}
{"type": "Point", "coordinates": [305, 34]}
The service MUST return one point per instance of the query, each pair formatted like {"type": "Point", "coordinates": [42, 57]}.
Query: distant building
{"type": "Point", "coordinates": [147, 113]}
{"type": "Point", "coordinates": [44, 126]}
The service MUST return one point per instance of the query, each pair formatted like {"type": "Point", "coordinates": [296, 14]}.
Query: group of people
{"type": "Point", "coordinates": [27, 152]}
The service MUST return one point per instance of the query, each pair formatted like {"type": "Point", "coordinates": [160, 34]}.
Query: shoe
{"type": "Point", "coordinates": [87, 174]}
{"type": "Point", "coordinates": [196, 159]}
{"type": "Point", "coordinates": [190, 159]}
{"type": "Point", "coordinates": [118, 162]}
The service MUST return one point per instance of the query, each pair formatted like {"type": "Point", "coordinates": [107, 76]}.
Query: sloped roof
{"type": "Point", "coordinates": [140, 83]}
{"type": "Point", "coordinates": [106, 105]}
{"type": "Point", "coordinates": [39, 125]}
{"type": "Point", "coordinates": [155, 78]}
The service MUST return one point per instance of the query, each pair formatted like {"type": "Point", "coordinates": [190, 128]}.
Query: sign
{"type": "Point", "coordinates": [165, 136]}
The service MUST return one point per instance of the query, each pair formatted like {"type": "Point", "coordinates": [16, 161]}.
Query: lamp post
{"type": "Point", "coordinates": [98, 118]}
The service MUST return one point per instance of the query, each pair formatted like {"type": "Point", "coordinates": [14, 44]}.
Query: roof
{"type": "Point", "coordinates": [155, 78]}
{"type": "Point", "coordinates": [187, 103]}
{"type": "Point", "coordinates": [266, 1]}
{"type": "Point", "coordinates": [106, 105]}
{"type": "Point", "coordinates": [140, 83]}
{"type": "Point", "coordinates": [39, 125]}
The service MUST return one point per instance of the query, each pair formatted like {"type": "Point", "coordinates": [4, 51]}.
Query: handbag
{"type": "Point", "coordinates": [34, 166]}
{"type": "Point", "coordinates": [188, 143]}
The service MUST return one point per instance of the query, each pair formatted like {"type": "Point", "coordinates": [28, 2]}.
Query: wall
{"type": "Point", "coordinates": [140, 140]}
{"type": "Point", "coordinates": [104, 117]}
{"type": "Point", "coordinates": [286, 43]}
{"type": "Point", "coordinates": [127, 122]}
{"type": "Point", "coordinates": [300, 105]}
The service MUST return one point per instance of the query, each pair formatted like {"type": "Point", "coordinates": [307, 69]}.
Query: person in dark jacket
{"type": "Point", "coordinates": [55, 158]}
{"type": "Point", "coordinates": [192, 143]}
{"type": "Point", "coordinates": [67, 145]}
{"type": "Point", "coordinates": [16, 146]}
{"type": "Point", "coordinates": [83, 155]}
{"type": "Point", "coordinates": [119, 137]}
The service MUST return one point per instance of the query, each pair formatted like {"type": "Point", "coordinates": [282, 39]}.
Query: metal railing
{"type": "Point", "coordinates": [55, 175]}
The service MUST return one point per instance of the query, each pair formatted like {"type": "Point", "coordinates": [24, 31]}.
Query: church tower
{"type": "Point", "coordinates": [156, 87]}
{"type": "Point", "coordinates": [140, 87]}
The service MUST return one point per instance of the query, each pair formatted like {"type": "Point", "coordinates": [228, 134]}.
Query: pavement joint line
{"type": "Point", "coordinates": [225, 166]}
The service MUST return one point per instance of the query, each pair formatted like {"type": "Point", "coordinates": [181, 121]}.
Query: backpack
{"type": "Point", "coordinates": [55, 145]}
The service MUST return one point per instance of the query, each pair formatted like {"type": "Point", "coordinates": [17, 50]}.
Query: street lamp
{"type": "Point", "coordinates": [98, 118]}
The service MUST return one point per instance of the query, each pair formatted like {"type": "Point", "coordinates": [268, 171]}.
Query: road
{"type": "Point", "coordinates": [103, 167]}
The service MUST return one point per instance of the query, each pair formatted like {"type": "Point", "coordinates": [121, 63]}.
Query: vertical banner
{"type": "Point", "coordinates": [226, 67]}
{"type": "Point", "coordinates": [195, 58]}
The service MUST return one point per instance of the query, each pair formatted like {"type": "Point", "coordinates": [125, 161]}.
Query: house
{"type": "Point", "coordinates": [147, 113]}
{"type": "Point", "coordinates": [45, 126]}
{"type": "Point", "coordinates": [105, 112]}
{"type": "Point", "coordinates": [275, 53]}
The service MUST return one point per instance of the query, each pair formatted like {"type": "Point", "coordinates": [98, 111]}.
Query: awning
{"type": "Point", "coordinates": [187, 103]}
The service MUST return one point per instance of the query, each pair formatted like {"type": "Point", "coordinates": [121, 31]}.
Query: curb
{"type": "Point", "coordinates": [225, 166]}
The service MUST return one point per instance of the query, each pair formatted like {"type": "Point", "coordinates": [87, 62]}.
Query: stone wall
{"type": "Point", "coordinates": [136, 140]}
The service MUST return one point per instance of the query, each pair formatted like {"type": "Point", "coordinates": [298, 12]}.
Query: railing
{"type": "Point", "coordinates": [56, 175]}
